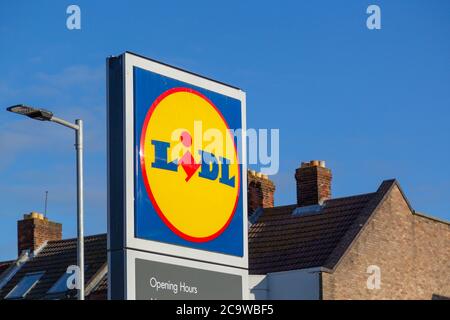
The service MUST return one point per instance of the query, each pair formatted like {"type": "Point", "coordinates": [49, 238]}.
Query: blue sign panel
{"type": "Point", "coordinates": [188, 187]}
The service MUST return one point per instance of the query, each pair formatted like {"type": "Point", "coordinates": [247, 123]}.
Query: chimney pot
{"type": "Point", "coordinates": [313, 183]}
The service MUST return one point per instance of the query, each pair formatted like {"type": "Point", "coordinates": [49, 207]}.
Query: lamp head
{"type": "Point", "coordinates": [34, 113]}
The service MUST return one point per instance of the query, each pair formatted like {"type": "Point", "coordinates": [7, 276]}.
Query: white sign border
{"type": "Point", "coordinates": [131, 242]}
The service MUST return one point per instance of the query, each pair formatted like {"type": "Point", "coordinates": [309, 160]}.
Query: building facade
{"type": "Point", "coordinates": [369, 246]}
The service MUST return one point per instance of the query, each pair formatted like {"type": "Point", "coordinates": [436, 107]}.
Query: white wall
{"type": "Point", "coordinates": [288, 285]}
{"type": "Point", "coordinates": [258, 287]}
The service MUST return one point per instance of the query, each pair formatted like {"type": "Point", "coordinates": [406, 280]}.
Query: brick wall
{"type": "Point", "coordinates": [34, 230]}
{"type": "Point", "coordinates": [260, 191]}
{"type": "Point", "coordinates": [412, 251]}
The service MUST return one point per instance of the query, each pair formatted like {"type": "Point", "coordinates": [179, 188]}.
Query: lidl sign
{"type": "Point", "coordinates": [180, 188]}
{"type": "Point", "coordinates": [176, 182]}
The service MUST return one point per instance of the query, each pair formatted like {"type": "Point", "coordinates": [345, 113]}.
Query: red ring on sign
{"type": "Point", "coordinates": [144, 171]}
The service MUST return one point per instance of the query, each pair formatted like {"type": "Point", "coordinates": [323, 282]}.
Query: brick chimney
{"type": "Point", "coordinates": [313, 183]}
{"type": "Point", "coordinates": [260, 191]}
{"type": "Point", "coordinates": [34, 230]}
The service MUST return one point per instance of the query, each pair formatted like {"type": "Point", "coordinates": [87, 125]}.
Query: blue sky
{"type": "Point", "coordinates": [373, 104]}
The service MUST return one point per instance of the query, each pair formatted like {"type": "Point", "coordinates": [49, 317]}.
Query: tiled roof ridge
{"type": "Point", "coordinates": [351, 197]}
{"type": "Point", "coordinates": [271, 213]}
{"type": "Point", "coordinates": [328, 200]}
{"type": "Point", "coordinates": [86, 238]}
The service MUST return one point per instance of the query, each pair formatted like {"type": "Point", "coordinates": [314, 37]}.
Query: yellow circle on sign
{"type": "Point", "coordinates": [196, 202]}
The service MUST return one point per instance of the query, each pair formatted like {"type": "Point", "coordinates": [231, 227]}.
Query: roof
{"type": "Point", "coordinates": [282, 241]}
{"type": "Point", "coordinates": [5, 265]}
{"type": "Point", "coordinates": [54, 259]}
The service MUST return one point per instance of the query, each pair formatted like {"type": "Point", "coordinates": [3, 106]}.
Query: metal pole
{"type": "Point", "coordinates": [80, 205]}
{"type": "Point", "coordinates": [65, 123]}
{"type": "Point", "coordinates": [78, 127]}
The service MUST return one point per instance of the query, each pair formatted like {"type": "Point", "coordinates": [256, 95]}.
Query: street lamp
{"type": "Point", "coordinates": [45, 115]}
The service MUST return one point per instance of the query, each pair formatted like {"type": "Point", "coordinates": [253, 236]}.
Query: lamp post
{"type": "Point", "coordinates": [45, 115]}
